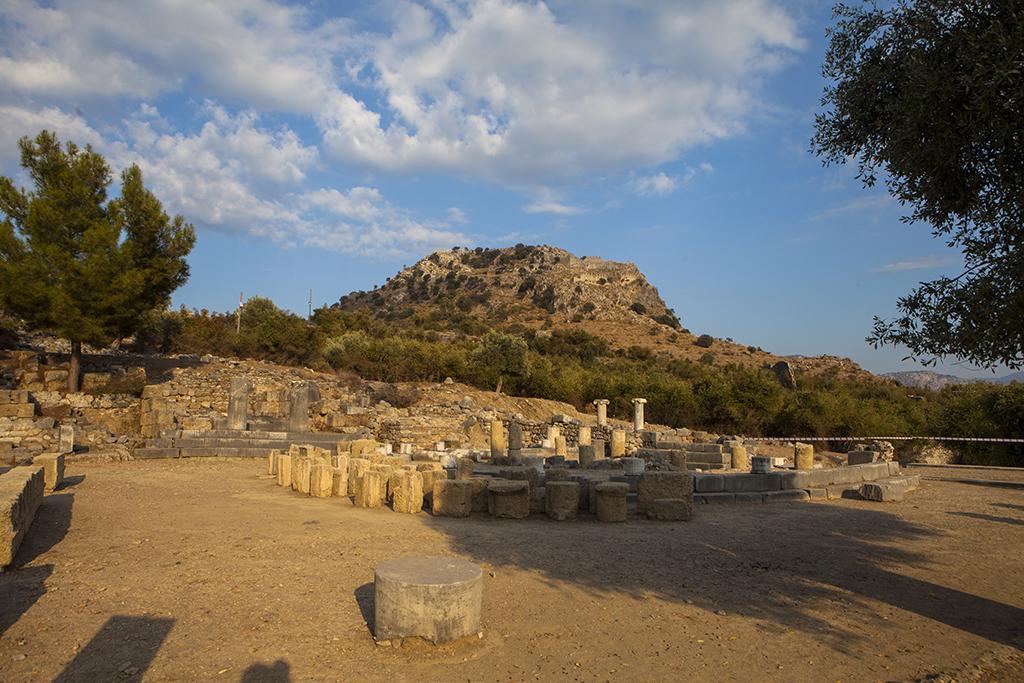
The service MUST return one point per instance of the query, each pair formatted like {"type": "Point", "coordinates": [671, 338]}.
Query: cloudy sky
{"type": "Point", "coordinates": [324, 146]}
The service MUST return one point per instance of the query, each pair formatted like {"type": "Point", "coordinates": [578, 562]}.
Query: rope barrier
{"type": "Point", "coordinates": [977, 439]}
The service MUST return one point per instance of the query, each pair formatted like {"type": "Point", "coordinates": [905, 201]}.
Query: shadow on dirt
{"type": "Point", "coordinates": [122, 650]}
{"type": "Point", "coordinates": [278, 672]}
{"type": "Point", "coordinates": [781, 563]}
{"type": "Point", "coordinates": [988, 518]}
{"type": "Point", "coordinates": [20, 585]}
{"type": "Point", "coordinates": [364, 596]}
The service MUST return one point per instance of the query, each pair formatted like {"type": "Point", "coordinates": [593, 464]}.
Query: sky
{"type": "Point", "coordinates": [324, 146]}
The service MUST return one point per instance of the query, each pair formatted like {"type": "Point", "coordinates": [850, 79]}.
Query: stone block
{"type": "Point", "coordinates": [785, 496]}
{"type": "Point", "coordinates": [671, 509]}
{"type": "Point", "coordinates": [21, 492]}
{"type": "Point", "coordinates": [53, 469]}
{"type": "Point", "coordinates": [708, 483]}
{"type": "Point", "coordinates": [556, 474]}
{"type": "Point", "coordinates": [894, 468]}
{"type": "Point", "coordinates": [561, 447]}
{"type": "Point", "coordinates": [748, 498]}
{"type": "Point", "coordinates": [633, 466]}
{"type": "Point", "coordinates": [678, 460]}
{"type": "Point", "coordinates": [272, 457]}
{"type": "Point", "coordinates": [611, 501]}
{"type": "Point", "coordinates": [743, 483]}
{"type": "Point", "coordinates": [592, 495]}
{"type": "Point", "coordinates": [739, 459]}
{"type": "Point", "coordinates": [18, 410]}
{"type": "Point", "coordinates": [586, 455]}
{"type": "Point", "coordinates": [479, 493]}
{"type": "Point", "coordinates": [452, 498]}
{"type": "Point", "coordinates": [584, 437]}
{"type": "Point", "coordinates": [464, 468]}
{"type": "Point", "coordinates": [339, 482]}
{"type": "Point", "coordinates": [301, 470]}
{"type": "Point", "coordinates": [284, 470]}
{"type": "Point", "coordinates": [584, 483]}
{"type": "Point", "coordinates": [67, 439]}
{"type": "Point", "coordinates": [321, 480]}
{"type": "Point", "coordinates": [836, 491]}
{"type": "Point", "coordinates": [668, 485]}
{"type": "Point", "coordinates": [803, 456]}
{"type": "Point", "coordinates": [408, 495]}
{"type": "Point", "coordinates": [618, 447]}
{"type": "Point", "coordinates": [357, 467]}
{"type": "Point", "coordinates": [368, 489]}
{"type": "Point", "coordinates": [714, 498]}
{"type": "Point", "coordinates": [561, 500]}
{"type": "Point", "coordinates": [508, 499]}
{"type": "Point", "coordinates": [860, 457]}
{"type": "Point", "coordinates": [537, 497]}
{"type": "Point", "coordinates": [891, 491]}
{"type": "Point", "coordinates": [817, 494]}
{"type": "Point", "coordinates": [359, 447]}
{"type": "Point", "coordinates": [760, 464]}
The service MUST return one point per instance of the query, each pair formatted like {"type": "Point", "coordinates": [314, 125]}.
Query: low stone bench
{"type": "Point", "coordinates": [21, 492]}
{"type": "Point", "coordinates": [53, 469]}
{"type": "Point", "coordinates": [435, 598]}
{"type": "Point", "coordinates": [611, 501]}
{"type": "Point", "coordinates": [508, 499]}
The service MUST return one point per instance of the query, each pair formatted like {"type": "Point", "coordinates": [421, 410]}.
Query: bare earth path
{"type": "Point", "coordinates": [202, 570]}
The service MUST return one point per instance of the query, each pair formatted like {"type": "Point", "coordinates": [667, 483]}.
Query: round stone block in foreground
{"type": "Point", "coordinates": [435, 598]}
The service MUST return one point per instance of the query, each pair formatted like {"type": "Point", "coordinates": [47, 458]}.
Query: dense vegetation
{"type": "Point", "coordinates": [576, 367]}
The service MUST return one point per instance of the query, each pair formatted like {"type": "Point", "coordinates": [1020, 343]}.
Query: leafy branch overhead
{"type": "Point", "coordinates": [929, 96]}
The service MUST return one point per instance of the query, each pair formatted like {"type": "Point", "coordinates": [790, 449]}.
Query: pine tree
{"type": "Point", "coordinates": [74, 264]}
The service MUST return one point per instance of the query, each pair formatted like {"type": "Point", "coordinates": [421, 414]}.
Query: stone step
{"type": "Point", "coordinates": [294, 437]}
{"type": "Point", "coordinates": [715, 458]}
{"type": "Point", "coordinates": [281, 444]}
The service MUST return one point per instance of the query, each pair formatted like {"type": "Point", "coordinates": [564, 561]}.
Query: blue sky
{"type": "Point", "coordinates": [324, 146]}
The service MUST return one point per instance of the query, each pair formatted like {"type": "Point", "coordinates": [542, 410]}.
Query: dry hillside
{"type": "Point", "coordinates": [539, 287]}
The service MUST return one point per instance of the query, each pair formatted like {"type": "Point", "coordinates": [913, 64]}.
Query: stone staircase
{"type": "Point", "coordinates": [232, 443]}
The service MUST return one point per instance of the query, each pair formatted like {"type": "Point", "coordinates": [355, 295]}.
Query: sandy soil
{"type": "Point", "coordinates": [203, 570]}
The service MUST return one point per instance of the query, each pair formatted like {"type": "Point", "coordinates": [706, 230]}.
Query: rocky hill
{"type": "Point", "coordinates": [926, 379]}
{"type": "Point", "coordinates": [544, 287]}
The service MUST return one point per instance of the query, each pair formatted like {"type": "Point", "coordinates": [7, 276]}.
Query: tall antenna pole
{"type": "Point", "coordinates": [238, 315]}
{"type": "Point", "coordinates": [310, 316]}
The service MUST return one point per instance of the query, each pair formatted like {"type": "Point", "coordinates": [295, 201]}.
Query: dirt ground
{"type": "Point", "coordinates": [203, 570]}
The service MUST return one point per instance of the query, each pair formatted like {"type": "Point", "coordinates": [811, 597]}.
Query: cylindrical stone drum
{"type": "Point", "coordinates": [803, 456]}
{"type": "Point", "coordinates": [435, 598]}
{"type": "Point", "coordinates": [739, 458]}
{"type": "Point", "coordinates": [508, 499]}
{"type": "Point", "coordinates": [611, 501]}
{"type": "Point", "coordinates": [561, 500]}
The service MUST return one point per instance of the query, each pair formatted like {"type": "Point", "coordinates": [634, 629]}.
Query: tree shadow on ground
{"type": "Point", "coordinates": [21, 585]}
{"type": "Point", "coordinates": [783, 563]}
{"type": "Point", "coordinates": [988, 518]}
{"type": "Point", "coordinates": [278, 672]}
{"type": "Point", "coordinates": [122, 650]}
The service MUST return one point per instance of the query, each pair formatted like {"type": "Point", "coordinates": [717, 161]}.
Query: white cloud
{"type": "Point", "coordinates": [234, 175]}
{"type": "Point", "coordinates": [522, 93]}
{"type": "Point", "coordinates": [868, 204]}
{"type": "Point", "coordinates": [662, 184]}
{"type": "Point", "coordinates": [922, 263]}
{"type": "Point", "coordinates": [556, 208]}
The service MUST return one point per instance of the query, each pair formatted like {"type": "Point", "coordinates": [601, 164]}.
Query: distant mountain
{"type": "Point", "coordinates": [926, 379]}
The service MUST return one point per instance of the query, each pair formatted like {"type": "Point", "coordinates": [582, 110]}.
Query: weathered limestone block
{"type": "Point", "coordinates": [452, 498]}
{"type": "Point", "coordinates": [67, 439]}
{"type": "Point", "coordinates": [408, 496]}
{"type": "Point", "coordinates": [740, 461]}
{"type": "Point", "coordinates": [340, 461]}
{"type": "Point", "coordinates": [435, 598]}
{"type": "Point", "coordinates": [357, 467]}
{"type": "Point", "coordinates": [618, 443]}
{"type": "Point", "coordinates": [561, 500]}
{"type": "Point", "coordinates": [584, 483]}
{"type": "Point", "coordinates": [803, 456]}
{"type": "Point", "coordinates": [556, 474]}
{"type": "Point", "coordinates": [299, 398]}
{"type": "Point", "coordinates": [429, 477]}
{"type": "Point", "coordinates": [301, 469]}
{"type": "Point", "coordinates": [21, 492]}
{"type": "Point", "coordinates": [671, 509]}
{"type": "Point", "coordinates": [339, 482]}
{"type": "Point", "coordinates": [53, 469]}
{"type": "Point", "coordinates": [553, 433]}
{"type": "Point", "coordinates": [321, 480]}
{"type": "Point", "coordinates": [633, 467]}
{"type": "Point", "coordinates": [464, 468]}
{"type": "Point", "coordinates": [760, 464]}
{"type": "Point", "coordinates": [479, 493]}
{"type": "Point", "coordinates": [359, 447]}
{"type": "Point", "coordinates": [497, 440]}
{"type": "Point", "coordinates": [586, 455]}
{"type": "Point", "coordinates": [599, 448]}
{"type": "Point", "coordinates": [861, 457]}
{"type": "Point", "coordinates": [284, 469]}
{"type": "Point", "coordinates": [508, 499]}
{"type": "Point", "coordinates": [537, 497]}
{"type": "Point", "coordinates": [238, 403]}
{"type": "Point", "coordinates": [611, 501]}
{"type": "Point", "coordinates": [272, 461]}
{"type": "Point", "coordinates": [368, 487]}
{"type": "Point", "coordinates": [561, 448]}
{"type": "Point", "coordinates": [584, 437]}
{"type": "Point", "coordinates": [891, 491]}
{"type": "Point", "coordinates": [385, 476]}
{"type": "Point", "coordinates": [515, 436]}
{"type": "Point", "coordinates": [657, 485]}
